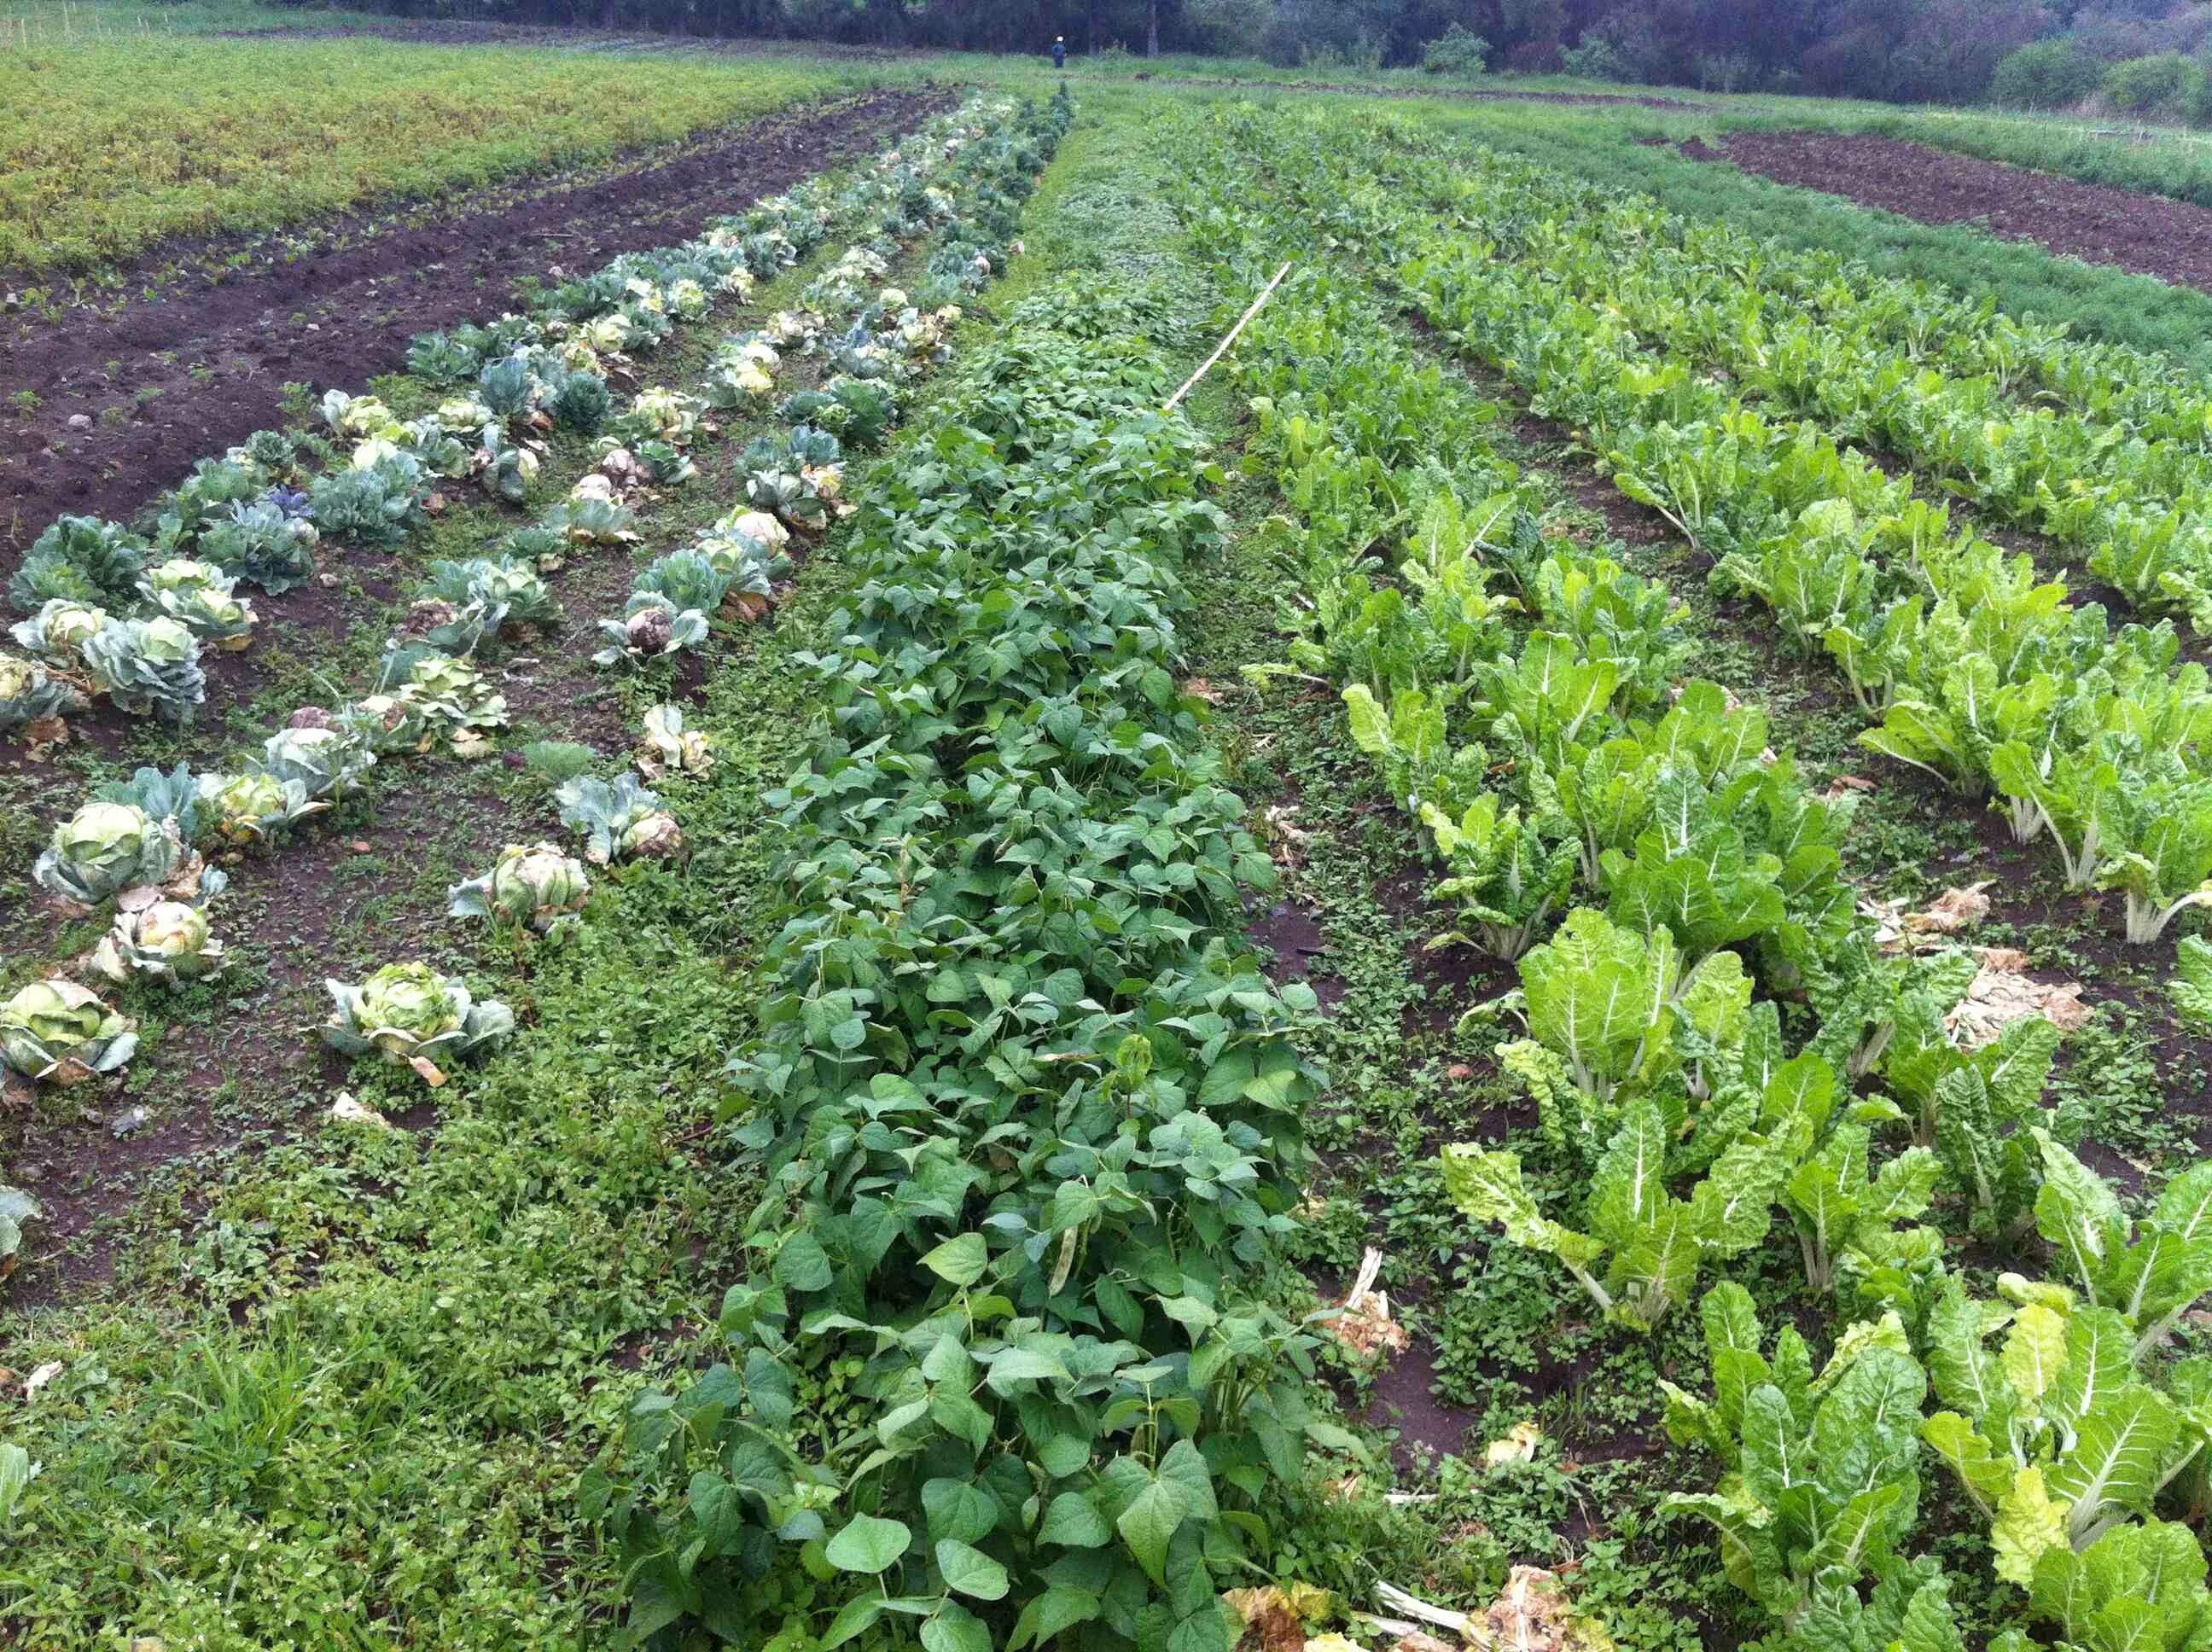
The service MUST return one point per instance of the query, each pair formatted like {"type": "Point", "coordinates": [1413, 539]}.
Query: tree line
{"type": "Point", "coordinates": [1900, 50]}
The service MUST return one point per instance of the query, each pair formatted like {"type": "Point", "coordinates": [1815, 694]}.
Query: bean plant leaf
{"type": "Point", "coordinates": [869, 1544]}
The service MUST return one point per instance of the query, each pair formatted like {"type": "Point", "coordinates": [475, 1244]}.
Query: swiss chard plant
{"type": "Point", "coordinates": [1822, 1481]}
{"type": "Point", "coordinates": [2054, 1435]}
{"type": "Point", "coordinates": [1636, 1250]}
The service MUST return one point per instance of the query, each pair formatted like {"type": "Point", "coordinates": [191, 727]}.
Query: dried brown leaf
{"type": "Point", "coordinates": [2003, 992]}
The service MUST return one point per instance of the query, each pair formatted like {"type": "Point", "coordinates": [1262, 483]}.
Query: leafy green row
{"type": "Point", "coordinates": [1643, 1027]}
{"type": "Point", "coordinates": [1026, 1121]}
{"type": "Point", "coordinates": [2091, 738]}
{"type": "Point", "coordinates": [1980, 675]}
{"type": "Point", "coordinates": [2122, 473]}
{"type": "Point", "coordinates": [2068, 1436]}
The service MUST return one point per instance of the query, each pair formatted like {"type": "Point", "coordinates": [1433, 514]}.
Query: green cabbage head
{"type": "Point", "coordinates": [106, 848]}
{"type": "Point", "coordinates": [62, 1033]}
{"type": "Point", "coordinates": [411, 1016]}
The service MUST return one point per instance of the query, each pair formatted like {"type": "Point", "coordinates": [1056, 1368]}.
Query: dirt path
{"type": "Point", "coordinates": [2143, 234]}
{"type": "Point", "coordinates": [117, 406]}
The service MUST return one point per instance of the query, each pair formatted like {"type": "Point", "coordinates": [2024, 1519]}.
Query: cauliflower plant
{"type": "Point", "coordinates": [198, 596]}
{"type": "Point", "coordinates": [57, 633]}
{"type": "Point", "coordinates": [619, 821]}
{"type": "Point", "coordinates": [147, 665]}
{"type": "Point", "coordinates": [28, 696]}
{"type": "Point", "coordinates": [168, 940]}
{"type": "Point", "coordinates": [324, 761]}
{"type": "Point", "coordinates": [254, 806]}
{"type": "Point", "coordinates": [106, 848]}
{"type": "Point", "coordinates": [669, 747]}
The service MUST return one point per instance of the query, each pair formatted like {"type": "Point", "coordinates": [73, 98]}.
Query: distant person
{"type": "Point", "coordinates": [1060, 51]}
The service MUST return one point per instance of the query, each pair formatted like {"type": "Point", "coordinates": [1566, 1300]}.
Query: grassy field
{"type": "Point", "coordinates": [1539, 777]}
{"type": "Point", "coordinates": [109, 145]}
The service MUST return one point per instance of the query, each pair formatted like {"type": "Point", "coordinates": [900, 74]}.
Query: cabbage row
{"type": "Point", "coordinates": [1025, 1118]}
{"type": "Point", "coordinates": [140, 850]}
{"type": "Point", "coordinates": [1686, 1128]}
{"type": "Point", "coordinates": [127, 611]}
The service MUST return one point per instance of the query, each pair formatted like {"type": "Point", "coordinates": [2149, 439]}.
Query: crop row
{"type": "Point", "coordinates": [2092, 739]}
{"type": "Point", "coordinates": [2121, 470]}
{"type": "Point", "coordinates": [128, 610]}
{"type": "Point", "coordinates": [1676, 1119]}
{"type": "Point", "coordinates": [1026, 1117]}
{"type": "Point", "coordinates": [137, 846]}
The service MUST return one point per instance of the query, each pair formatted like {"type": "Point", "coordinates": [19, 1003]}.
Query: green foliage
{"type": "Point", "coordinates": [2150, 85]}
{"type": "Point", "coordinates": [81, 559]}
{"type": "Point", "coordinates": [2138, 1585]}
{"type": "Point", "coordinates": [1653, 1244]}
{"type": "Point", "coordinates": [150, 665]}
{"type": "Point", "coordinates": [1840, 1204]}
{"type": "Point", "coordinates": [2150, 1271]}
{"type": "Point", "coordinates": [1457, 50]}
{"type": "Point", "coordinates": [1615, 1016]}
{"type": "Point", "coordinates": [558, 760]}
{"type": "Point", "coordinates": [1074, 1401]}
{"type": "Point", "coordinates": [1823, 1478]}
{"type": "Point", "coordinates": [2055, 1437]}
{"type": "Point", "coordinates": [2047, 75]}
{"type": "Point", "coordinates": [1960, 651]}
{"type": "Point", "coordinates": [395, 123]}
{"type": "Point", "coordinates": [409, 1015]}
{"type": "Point", "coordinates": [263, 545]}
{"type": "Point", "coordinates": [29, 693]}
{"type": "Point", "coordinates": [483, 595]}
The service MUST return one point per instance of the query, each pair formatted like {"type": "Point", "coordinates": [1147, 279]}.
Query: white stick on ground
{"type": "Point", "coordinates": [1412, 1605]}
{"type": "Point", "coordinates": [1220, 350]}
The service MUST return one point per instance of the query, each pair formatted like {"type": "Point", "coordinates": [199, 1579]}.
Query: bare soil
{"type": "Point", "coordinates": [156, 385]}
{"type": "Point", "coordinates": [2143, 234]}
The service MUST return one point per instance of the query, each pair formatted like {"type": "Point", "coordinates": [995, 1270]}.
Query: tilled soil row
{"type": "Point", "coordinates": [126, 404]}
{"type": "Point", "coordinates": [2143, 234]}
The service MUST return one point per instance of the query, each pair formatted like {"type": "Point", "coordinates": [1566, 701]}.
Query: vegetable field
{"type": "Point", "coordinates": [842, 912]}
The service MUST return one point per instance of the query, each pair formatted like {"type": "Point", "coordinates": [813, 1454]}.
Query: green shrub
{"type": "Point", "coordinates": [1455, 52]}
{"type": "Point", "coordinates": [1595, 59]}
{"type": "Point", "coordinates": [2145, 85]}
{"type": "Point", "coordinates": [2048, 75]}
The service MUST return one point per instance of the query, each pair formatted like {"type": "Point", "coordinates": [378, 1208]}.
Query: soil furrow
{"type": "Point", "coordinates": [121, 407]}
{"type": "Point", "coordinates": [2143, 234]}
